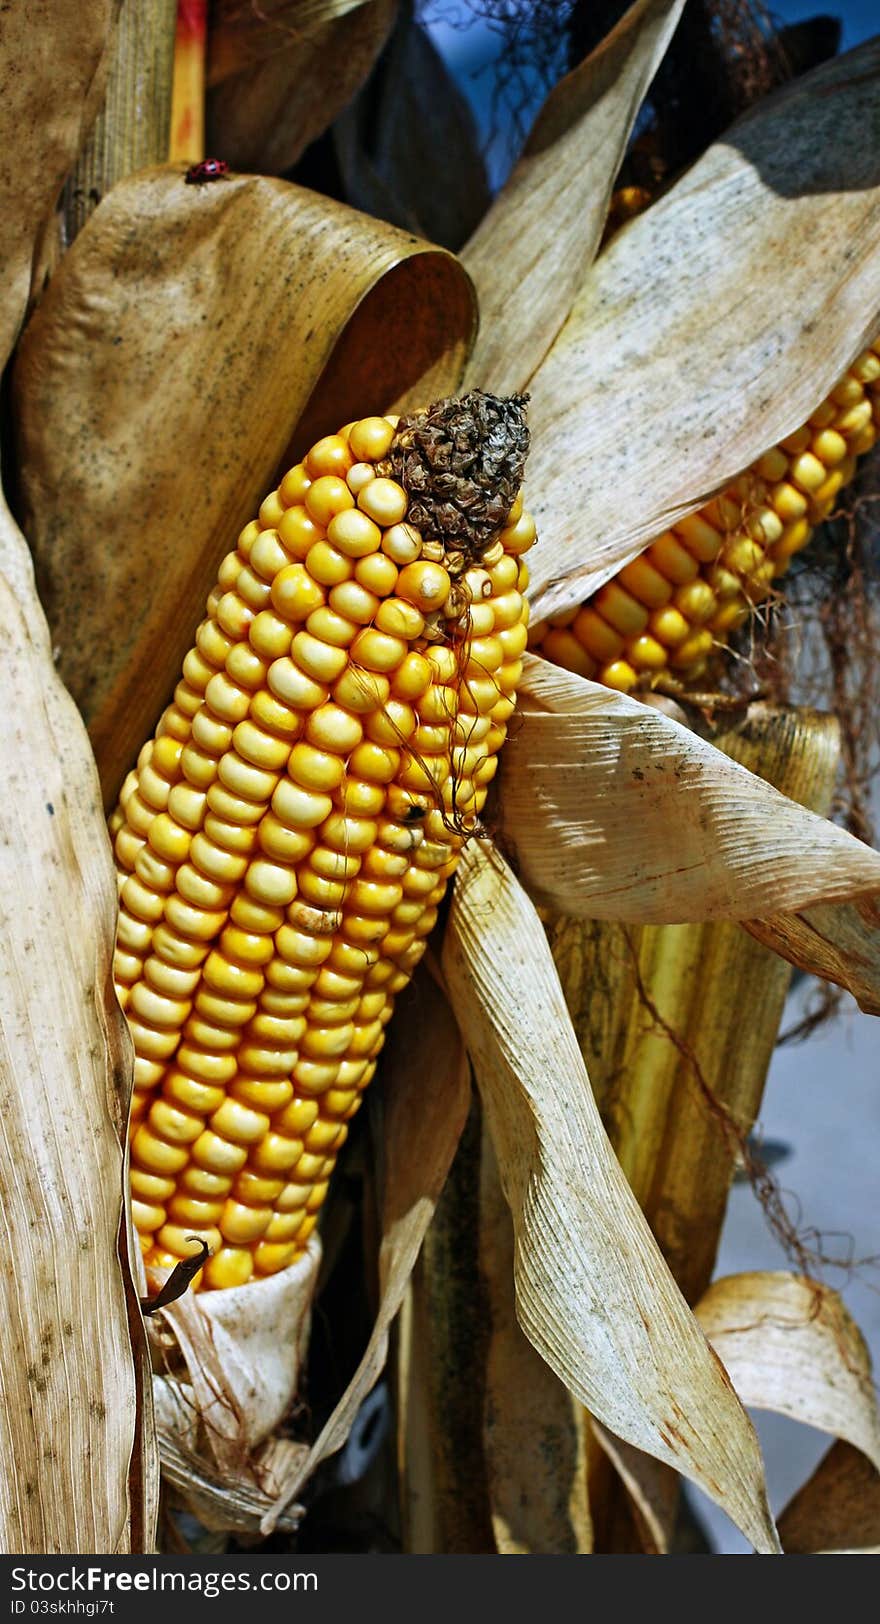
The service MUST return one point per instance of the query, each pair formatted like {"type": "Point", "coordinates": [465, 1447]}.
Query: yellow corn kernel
{"type": "Point", "coordinates": [331, 455]}
{"type": "Point", "coordinates": [788, 502]}
{"type": "Point", "coordinates": [794, 537]}
{"type": "Point", "coordinates": [855, 419]}
{"type": "Point", "coordinates": [619, 674]}
{"type": "Point", "coordinates": [807, 472]}
{"type": "Point", "coordinates": [518, 536]}
{"type": "Point", "coordinates": [325, 497]}
{"type": "Point", "coordinates": [741, 555]}
{"type": "Point", "coordinates": [730, 615]}
{"type": "Point", "coordinates": [563, 648]}
{"type": "Point", "coordinates": [383, 501]}
{"type": "Point", "coordinates": [622, 611]}
{"type": "Point", "coordinates": [354, 534]}
{"type": "Point", "coordinates": [867, 366]}
{"type": "Point", "coordinates": [370, 438]}
{"type": "Point", "coordinates": [668, 626]}
{"type": "Point", "coordinates": [600, 640]}
{"type": "Point", "coordinates": [696, 601]}
{"type": "Point", "coordinates": [692, 649]}
{"type": "Point", "coordinates": [797, 442]}
{"type": "Point", "coordinates": [146, 1218]}
{"type": "Point", "coordinates": [646, 654]}
{"type": "Point", "coordinates": [377, 574]}
{"type": "Point", "coordinates": [645, 583]}
{"type": "Point", "coordinates": [231, 1266]}
{"type": "Point", "coordinates": [672, 560]}
{"type": "Point", "coordinates": [773, 466]}
{"type": "Point", "coordinates": [401, 619]}
{"type": "Point", "coordinates": [829, 446]}
{"type": "Point", "coordinates": [401, 544]}
{"type": "Point", "coordinates": [425, 585]}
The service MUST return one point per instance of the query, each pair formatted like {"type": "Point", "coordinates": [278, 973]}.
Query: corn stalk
{"type": "Point", "coordinates": [132, 128]}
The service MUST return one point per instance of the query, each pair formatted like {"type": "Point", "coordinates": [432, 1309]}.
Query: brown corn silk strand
{"type": "Point", "coordinates": [287, 836]}
{"type": "Point", "coordinates": [667, 612]}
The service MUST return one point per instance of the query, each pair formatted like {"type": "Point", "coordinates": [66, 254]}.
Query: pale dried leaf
{"type": "Point", "coordinates": [71, 1388]}
{"type": "Point", "coordinates": [256, 306]}
{"type": "Point", "coordinates": [51, 83]}
{"type": "Point", "coordinates": [841, 944]}
{"type": "Point", "coordinates": [426, 1094]}
{"type": "Point", "coordinates": [530, 255]}
{"type": "Point", "coordinates": [533, 1429]}
{"type": "Point", "coordinates": [788, 1344]}
{"type": "Point", "coordinates": [594, 1294]}
{"type": "Point", "coordinates": [243, 1349]}
{"type": "Point", "coordinates": [711, 327]}
{"type": "Point", "coordinates": [243, 33]}
{"type": "Point", "coordinates": [278, 76]}
{"type": "Point", "coordinates": [677, 1074]}
{"type": "Point", "coordinates": [407, 146]}
{"type": "Point", "coordinates": [837, 1509]}
{"type": "Point", "coordinates": [653, 1489]}
{"type": "Point", "coordinates": [614, 811]}
{"type": "Point", "coordinates": [228, 1500]}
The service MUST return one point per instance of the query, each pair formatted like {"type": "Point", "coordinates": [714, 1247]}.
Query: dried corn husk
{"type": "Point", "coordinates": [565, 175]}
{"type": "Point", "coordinates": [526, 1108]}
{"type": "Point", "coordinates": [407, 145]}
{"type": "Point", "coordinates": [132, 493]}
{"type": "Point", "coordinates": [661, 387]}
{"type": "Point", "coordinates": [652, 1490]}
{"type": "Point", "coordinates": [789, 1344]}
{"type": "Point", "coordinates": [53, 85]}
{"type": "Point", "coordinates": [838, 1509]}
{"type": "Point", "coordinates": [593, 1293]}
{"type": "Point", "coordinates": [677, 1073]}
{"type": "Point", "coordinates": [70, 1316]}
{"type": "Point", "coordinates": [64, 1070]}
{"type": "Point", "coordinates": [613, 810]}
{"type": "Point", "coordinates": [241, 1354]}
{"type": "Point", "coordinates": [492, 1446]}
{"type": "Point", "coordinates": [279, 73]}
{"type": "Point", "coordinates": [534, 1439]}
{"type": "Point", "coordinates": [840, 944]}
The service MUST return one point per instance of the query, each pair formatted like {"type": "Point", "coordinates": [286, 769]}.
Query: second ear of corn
{"type": "Point", "coordinates": [287, 836]}
{"type": "Point", "coordinates": [678, 602]}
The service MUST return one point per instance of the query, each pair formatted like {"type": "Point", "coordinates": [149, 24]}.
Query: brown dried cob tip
{"type": "Point", "coordinates": [461, 463]}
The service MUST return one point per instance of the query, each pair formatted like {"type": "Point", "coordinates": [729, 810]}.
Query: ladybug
{"type": "Point", "coordinates": [208, 169]}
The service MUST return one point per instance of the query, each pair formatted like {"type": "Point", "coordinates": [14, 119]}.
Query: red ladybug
{"type": "Point", "coordinates": [208, 169]}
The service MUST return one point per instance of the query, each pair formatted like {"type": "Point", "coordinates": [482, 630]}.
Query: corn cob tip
{"type": "Point", "coordinates": [461, 464]}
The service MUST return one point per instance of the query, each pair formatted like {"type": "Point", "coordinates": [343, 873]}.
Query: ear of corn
{"type": "Point", "coordinates": [668, 610]}
{"type": "Point", "coordinates": [285, 840]}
